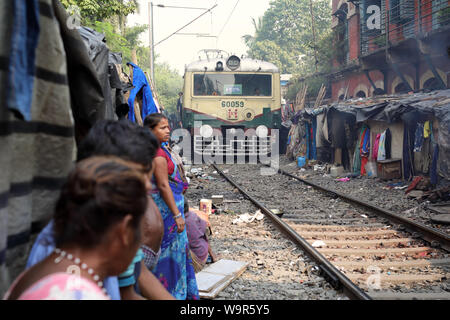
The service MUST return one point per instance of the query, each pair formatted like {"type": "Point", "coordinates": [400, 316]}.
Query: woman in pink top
{"type": "Point", "coordinates": [97, 228]}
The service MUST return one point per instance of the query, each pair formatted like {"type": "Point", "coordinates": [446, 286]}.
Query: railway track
{"type": "Point", "coordinates": [367, 252]}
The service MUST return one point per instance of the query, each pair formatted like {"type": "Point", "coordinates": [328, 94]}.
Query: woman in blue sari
{"type": "Point", "coordinates": [174, 269]}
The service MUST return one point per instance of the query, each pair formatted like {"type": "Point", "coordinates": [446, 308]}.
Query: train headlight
{"type": "Point", "coordinates": [262, 131]}
{"type": "Point", "coordinates": [219, 66]}
{"type": "Point", "coordinates": [206, 131]}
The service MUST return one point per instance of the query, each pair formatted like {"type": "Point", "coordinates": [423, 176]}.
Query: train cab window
{"type": "Point", "coordinates": [248, 85]}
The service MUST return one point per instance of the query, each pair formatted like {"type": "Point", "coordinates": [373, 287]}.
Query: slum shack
{"type": "Point", "coordinates": [389, 136]}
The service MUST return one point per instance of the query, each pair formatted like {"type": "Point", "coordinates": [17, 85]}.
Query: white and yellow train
{"type": "Point", "coordinates": [223, 94]}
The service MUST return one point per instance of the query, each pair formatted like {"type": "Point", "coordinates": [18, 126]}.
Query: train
{"type": "Point", "coordinates": [231, 104]}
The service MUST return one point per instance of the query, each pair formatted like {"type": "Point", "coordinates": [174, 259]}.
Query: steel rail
{"type": "Point", "coordinates": [336, 278]}
{"type": "Point", "coordinates": [433, 236]}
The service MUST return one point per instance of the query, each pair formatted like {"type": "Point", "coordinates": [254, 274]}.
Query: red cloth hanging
{"type": "Point", "coordinates": [364, 161]}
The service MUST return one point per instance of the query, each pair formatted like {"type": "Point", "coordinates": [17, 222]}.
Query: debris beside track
{"type": "Point", "coordinates": [277, 270]}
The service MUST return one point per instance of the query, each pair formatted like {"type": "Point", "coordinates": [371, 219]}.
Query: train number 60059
{"type": "Point", "coordinates": [233, 104]}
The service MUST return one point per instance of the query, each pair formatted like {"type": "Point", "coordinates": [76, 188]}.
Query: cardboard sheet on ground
{"type": "Point", "coordinates": [217, 276]}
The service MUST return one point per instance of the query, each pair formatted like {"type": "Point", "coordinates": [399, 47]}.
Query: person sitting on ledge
{"type": "Point", "coordinates": [199, 245]}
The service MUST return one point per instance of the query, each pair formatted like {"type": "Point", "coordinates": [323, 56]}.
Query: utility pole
{"type": "Point", "coordinates": [151, 43]}
{"type": "Point", "coordinates": [314, 33]}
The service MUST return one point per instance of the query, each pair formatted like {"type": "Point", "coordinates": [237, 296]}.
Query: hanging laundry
{"type": "Point", "coordinates": [375, 147]}
{"type": "Point", "coordinates": [382, 147]}
{"type": "Point", "coordinates": [365, 143]}
{"type": "Point", "coordinates": [418, 140]}
{"type": "Point", "coordinates": [426, 129]}
{"type": "Point", "coordinates": [365, 150]}
{"type": "Point", "coordinates": [356, 155]}
{"type": "Point", "coordinates": [140, 82]}
{"type": "Point", "coordinates": [387, 143]}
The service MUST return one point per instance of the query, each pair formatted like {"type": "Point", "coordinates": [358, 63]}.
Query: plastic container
{"type": "Point", "coordinates": [371, 169]}
{"type": "Point", "coordinates": [206, 206]}
{"type": "Point", "coordinates": [301, 161]}
{"type": "Point", "coordinates": [336, 171]}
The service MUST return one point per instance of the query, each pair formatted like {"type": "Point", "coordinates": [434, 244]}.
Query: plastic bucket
{"type": "Point", "coordinates": [301, 161]}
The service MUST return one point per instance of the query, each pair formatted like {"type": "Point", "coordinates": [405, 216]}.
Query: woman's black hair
{"type": "Point", "coordinates": [152, 120]}
{"type": "Point", "coordinates": [123, 139]}
{"type": "Point", "coordinates": [99, 192]}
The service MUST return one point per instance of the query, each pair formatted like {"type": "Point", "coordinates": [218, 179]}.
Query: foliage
{"type": "Point", "coordinates": [268, 50]}
{"type": "Point", "coordinates": [108, 17]}
{"type": "Point", "coordinates": [286, 27]}
{"type": "Point", "coordinates": [115, 41]}
{"type": "Point", "coordinates": [99, 10]}
{"type": "Point", "coordinates": [168, 81]}
{"type": "Point", "coordinates": [168, 84]}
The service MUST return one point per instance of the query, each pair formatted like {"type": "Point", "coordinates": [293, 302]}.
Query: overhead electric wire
{"type": "Point", "coordinates": [237, 2]}
{"type": "Point", "coordinates": [186, 25]}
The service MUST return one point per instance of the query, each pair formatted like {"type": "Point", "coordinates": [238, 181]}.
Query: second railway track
{"type": "Point", "coordinates": [366, 255]}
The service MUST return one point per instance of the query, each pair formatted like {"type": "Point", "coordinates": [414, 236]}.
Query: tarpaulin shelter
{"type": "Point", "coordinates": [338, 127]}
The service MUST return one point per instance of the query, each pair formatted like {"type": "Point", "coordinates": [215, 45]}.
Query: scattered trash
{"type": "Point", "coordinates": [319, 168]}
{"type": "Point", "coordinates": [342, 179]}
{"type": "Point", "coordinates": [277, 212]}
{"type": "Point", "coordinates": [401, 188]}
{"type": "Point", "coordinates": [415, 194]}
{"type": "Point", "coordinates": [336, 171]}
{"type": "Point", "coordinates": [412, 210]}
{"type": "Point", "coordinates": [217, 199]}
{"type": "Point", "coordinates": [318, 244]}
{"type": "Point", "coordinates": [206, 206]}
{"type": "Point", "coordinates": [364, 216]}
{"type": "Point", "coordinates": [247, 218]}
{"type": "Point", "coordinates": [231, 201]}
{"type": "Point", "coordinates": [413, 184]}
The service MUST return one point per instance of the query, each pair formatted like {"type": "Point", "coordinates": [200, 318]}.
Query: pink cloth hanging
{"type": "Point", "coordinates": [375, 147]}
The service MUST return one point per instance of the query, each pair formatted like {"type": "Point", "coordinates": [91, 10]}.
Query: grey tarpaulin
{"type": "Point", "coordinates": [86, 92]}
{"type": "Point", "coordinates": [99, 55]}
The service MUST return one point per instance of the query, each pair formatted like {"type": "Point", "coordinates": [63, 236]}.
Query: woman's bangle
{"type": "Point", "coordinates": [177, 216]}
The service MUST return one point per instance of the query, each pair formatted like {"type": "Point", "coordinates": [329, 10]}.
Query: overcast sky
{"type": "Point", "coordinates": [180, 50]}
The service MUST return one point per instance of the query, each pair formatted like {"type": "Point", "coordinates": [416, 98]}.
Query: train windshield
{"type": "Point", "coordinates": [228, 84]}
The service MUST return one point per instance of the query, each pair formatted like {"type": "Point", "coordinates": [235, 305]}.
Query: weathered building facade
{"type": "Point", "coordinates": [390, 46]}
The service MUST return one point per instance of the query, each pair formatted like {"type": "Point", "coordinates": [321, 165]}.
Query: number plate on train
{"type": "Point", "coordinates": [232, 104]}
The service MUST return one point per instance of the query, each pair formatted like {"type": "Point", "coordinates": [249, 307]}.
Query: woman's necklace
{"type": "Point", "coordinates": [63, 254]}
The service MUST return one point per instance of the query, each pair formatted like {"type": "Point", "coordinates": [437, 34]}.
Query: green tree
{"type": "Point", "coordinates": [109, 18]}
{"type": "Point", "coordinates": [268, 50]}
{"type": "Point", "coordinates": [100, 10]}
{"type": "Point", "coordinates": [284, 37]}
{"type": "Point", "coordinates": [287, 23]}
{"type": "Point", "coordinates": [168, 83]}
{"type": "Point", "coordinates": [250, 39]}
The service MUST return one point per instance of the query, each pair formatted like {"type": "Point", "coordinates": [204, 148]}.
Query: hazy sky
{"type": "Point", "coordinates": [180, 50]}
